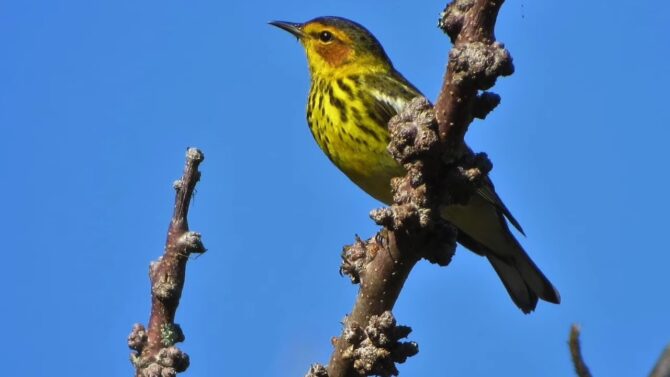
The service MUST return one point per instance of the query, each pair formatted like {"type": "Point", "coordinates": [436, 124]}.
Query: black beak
{"type": "Point", "coordinates": [291, 27]}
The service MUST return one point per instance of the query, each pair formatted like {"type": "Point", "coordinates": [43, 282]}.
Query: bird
{"type": "Point", "coordinates": [354, 92]}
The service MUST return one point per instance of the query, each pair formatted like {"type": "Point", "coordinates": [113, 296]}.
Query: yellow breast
{"type": "Point", "coordinates": [354, 141]}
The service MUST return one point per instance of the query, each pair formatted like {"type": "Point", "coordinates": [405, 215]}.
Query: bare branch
{"type": "Point", "coordinates": [576, 351]}
{"type": "Point", "coordinates": [155, 352]}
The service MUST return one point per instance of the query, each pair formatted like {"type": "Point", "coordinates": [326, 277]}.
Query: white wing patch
{"type": "Point", "coordinates": [397, 103]}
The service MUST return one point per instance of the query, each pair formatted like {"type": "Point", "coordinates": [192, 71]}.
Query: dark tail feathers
{"type": "Point", "coordinates": [524, 282]}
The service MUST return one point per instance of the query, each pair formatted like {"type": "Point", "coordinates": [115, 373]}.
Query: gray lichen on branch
{"type": "Point", "coordinates": [155, 353]}
{"type": "Point", "coordinates": [479, 63]}
{"type": "Point", "coordinates": [475, 62]}
{"type": "Point", "coordinates": [377, 347]}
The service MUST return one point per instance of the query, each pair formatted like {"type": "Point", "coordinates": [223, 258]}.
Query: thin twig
{"type": "Point", "coordinates": [155, 353]}
{"type": "Point", "coordinates": [576, 351]}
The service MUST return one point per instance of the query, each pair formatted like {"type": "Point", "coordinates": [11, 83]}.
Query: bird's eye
{"type": "Point", "coordinates": [326, 36]}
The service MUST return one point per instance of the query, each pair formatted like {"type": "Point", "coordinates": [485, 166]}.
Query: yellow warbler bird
{"type": "Point", "coordinates": [354, 92]}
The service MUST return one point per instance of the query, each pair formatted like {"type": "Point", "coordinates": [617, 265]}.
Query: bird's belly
{"type": "Point", "coordinates": [368, 165]}
{"type": "Point", "coordinates": [372, 178]}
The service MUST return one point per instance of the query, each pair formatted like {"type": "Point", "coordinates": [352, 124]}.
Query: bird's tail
{"type": "Point", "coordinates": [483, 229]}
{"type": "Point", "coordinates": [523, 279]}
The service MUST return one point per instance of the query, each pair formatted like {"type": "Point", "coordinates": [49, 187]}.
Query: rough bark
{"type": "Point", "coordinates": [155, 353]}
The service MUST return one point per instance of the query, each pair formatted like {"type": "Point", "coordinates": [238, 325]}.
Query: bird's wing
{"type": "Point", "coordinates": [384, 107]}
{"type": "Point", "coordinates": [487, 192]}
{"type": "Point", "coordinates": [391, 93]}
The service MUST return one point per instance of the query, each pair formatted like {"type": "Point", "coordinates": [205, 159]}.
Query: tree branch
{"type": "Point", "coordinates": [576, 351]}
{"type": "Point", "coordinates": [155, 353]}
{"type": "Point", "coordinates": [440, 171]}
{"type": "Point", "coordinates": [662, 367]}
{"type": "Point", "coordinates": [475, 62]}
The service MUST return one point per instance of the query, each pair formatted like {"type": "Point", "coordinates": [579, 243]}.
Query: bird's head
{"type": "Point", "coordinates": [335, 45]}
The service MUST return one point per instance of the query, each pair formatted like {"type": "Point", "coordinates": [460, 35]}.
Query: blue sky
{"type": "Point", "coordinates": [99, 100]}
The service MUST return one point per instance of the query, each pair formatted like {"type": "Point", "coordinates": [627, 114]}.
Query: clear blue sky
{"type": "Point", "coordinates": [99, 100]}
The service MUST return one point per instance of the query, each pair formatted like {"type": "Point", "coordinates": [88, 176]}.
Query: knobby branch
{"type": "Point", "coordinates": [155, 353]}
